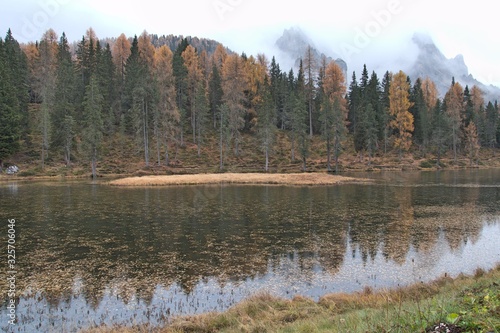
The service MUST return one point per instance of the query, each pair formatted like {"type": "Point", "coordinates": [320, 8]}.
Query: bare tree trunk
{"type": "Point", "coordinates": [193, 121]}
{"type": "Point", "coordinates": [267, 160]}
{"type": "Point", "coordinates": [328, 157]}
{"type": "Point", "coordinates": [158, 154]}
{"type": "Point", "coordinates": [43, 158]}
{"type": "Point", "coordinates": [454, 146]}
{"type": "Point", "coordinates": [199, 140]}
{"type": "Point", "coordinates": [94, 163]}
{"type": "Point", "coordinates": [310, 118]}
{"type": "Point", "coordinates": [221, 146]}
{"type": "Point", "coordinates": [145, 130]}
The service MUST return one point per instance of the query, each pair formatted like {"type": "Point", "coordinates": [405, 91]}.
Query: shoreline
{"type": "Point", "coordinates": [442, 305]}
{"type": "Point", "coordinates": [299, 179]}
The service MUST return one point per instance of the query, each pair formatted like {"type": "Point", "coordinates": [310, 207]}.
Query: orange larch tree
{"type": "Point", "coordinates": [399, 106]}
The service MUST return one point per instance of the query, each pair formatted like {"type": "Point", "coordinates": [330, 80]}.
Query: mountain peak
{"type": "Point", "coordinates": [294, 43]}
{"type": "Point", "coordinates": [422, 39]}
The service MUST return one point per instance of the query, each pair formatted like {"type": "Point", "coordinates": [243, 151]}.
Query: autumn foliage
{"type": "Point", "coordinates": [158, 95]}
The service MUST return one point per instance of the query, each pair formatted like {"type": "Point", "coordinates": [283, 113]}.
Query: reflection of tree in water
{"type": "Point", "coordinates": [137, 239]}
{"type": "Point", "coordinates": [397, 238]}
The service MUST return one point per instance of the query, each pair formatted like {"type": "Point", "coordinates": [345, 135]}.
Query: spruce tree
{"type": "Point", "coordinates": [10, 119]}
{"type": "Point", "coordinates": [201, 115]}
{"type": "Point", "coordinates": [180, 74]}
{"type": "Point", "coordinates": [383, 115]}
{"type": "Point", "coordinates": [215, 93]}
{"type": "Point", "coordinates": [275, 78]}
{"type": "Point", "coordinates": [106, 76]}
{"type": "Point", "coordinates": [492, 123]}
{"type": "Point", "coordinates": [440, 130]}
{"type": "Point", "coordinates": [266, 123]}
{"type": "Point", "coordinates": [93, 124]}
{"type": "Point", "coordinates": [18, 69]}
{"type": "Point", "coordinates": [301, 117]}
{"type": "Point", "coordinates": [64, 107]}
{"type": "Point", "coordinates": [354, 98]}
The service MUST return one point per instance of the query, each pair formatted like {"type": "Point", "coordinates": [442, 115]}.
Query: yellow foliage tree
{"type": "Point", "coordinates": [167, 116]}
{"type": "Point", "coordinates": [194, 76]}
{"type": "Point", "coordinates": [430, 93]}
{"type": "Point", "coordinates": [399, 107]}
{"type": "Point", "coordinates": [121, 52]}
{"type": "Point", "coordinates": [454, 108]}
{"type": "Point", "coordinates": [472, 145]}
{"type": "Point", "coordinates": [234, 84]}
{"type": "Point", "coordinates": [146, 49]}
{"type": "Point", "coordinates": [333, 115]}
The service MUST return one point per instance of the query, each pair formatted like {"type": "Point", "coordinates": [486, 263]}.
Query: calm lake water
{"type": "Point", "coordinates": [89, 254]}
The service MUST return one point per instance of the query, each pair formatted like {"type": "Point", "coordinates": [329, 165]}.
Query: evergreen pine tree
{"type": "Point", "coordinates": [300, 118]}
{"type": "Point", "coordinates": [64, 108]}
{"type": "Point", "coordinates": [180, 74]}
{"type": "Point", "coordinates": [440, 130]}
{"type": "Point", "coordinates": [93, 124]}
{"type": "Point", "coordinates": [202, 109]}
{"type": "Point", "coordinates": [492, 123]}
{"type": "Point", "coordinates": [18, 69]}
{"type": "Point", "coordinates": [106, 76]}
{"type": "Point", "coordinates": [10, 119]}
{"type": "Point", "coordinates": [354, 98]}
{"type": "Point", "coordinates": [383, 115]}
{"type": "Point", "coordinates": [266, 126]}
{"type": "Point", "coordinates": [215, 93]}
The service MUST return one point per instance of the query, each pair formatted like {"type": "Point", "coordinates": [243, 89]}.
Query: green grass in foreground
{"type": "Point", "coordinates": [465, 304]}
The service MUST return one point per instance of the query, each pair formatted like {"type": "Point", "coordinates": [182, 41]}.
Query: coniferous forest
{"type": "Point", "coordinates": [150, 98]}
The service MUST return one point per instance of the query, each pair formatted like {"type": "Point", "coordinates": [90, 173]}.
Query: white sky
{"type": "Point", "coordinates": [468, 28]}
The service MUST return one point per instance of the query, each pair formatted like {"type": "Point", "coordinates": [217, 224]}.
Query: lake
{"type": "Point", "coordinates": [89, 254]}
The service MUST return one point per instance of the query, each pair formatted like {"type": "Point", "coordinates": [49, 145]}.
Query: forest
{"type": "Point", "coordinates": [61, 103]}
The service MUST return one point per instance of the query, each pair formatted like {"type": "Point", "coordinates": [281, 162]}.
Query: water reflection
{"type": "Point", "coordinates": [91, 254]}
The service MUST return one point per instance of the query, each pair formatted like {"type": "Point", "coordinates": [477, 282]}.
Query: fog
{"type": "Point", "coordinates": [386, 52]}
{"type": "Point", "coordinates": [375, 32]}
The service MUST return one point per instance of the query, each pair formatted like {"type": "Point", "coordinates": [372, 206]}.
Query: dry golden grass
{"type": "Point", "coordinates": [407, 309]}
{"type": "Point", "coordinates": [304, 179]}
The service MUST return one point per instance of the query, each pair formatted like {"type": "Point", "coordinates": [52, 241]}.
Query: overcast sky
{"type": "Point", "coordinates": [358, 30]}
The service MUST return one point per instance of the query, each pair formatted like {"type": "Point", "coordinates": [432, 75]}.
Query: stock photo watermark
{"type": "Point", "coordinates": [222, 7]}
{"type": "Point", "coordinates": [36, 23]}
{"type": "Point", "coordinates": [11, 271]}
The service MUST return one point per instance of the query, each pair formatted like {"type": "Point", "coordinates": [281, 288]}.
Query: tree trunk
{"type": "Point", "coordinates": [158, 154]}
{"type": "Point", "coordinates": [310, 119]}
{"type": "Point", "coordinates": [193, 122]}
{"type": "Point", "coordinates": [438, 161]}
{"type": "Point", "coordinates": [199, 140]}
{"type": "Point", "coordinates": [167, 161]}
{"type": "Point", "coordinates": [267, 160]}
{"type": "Point", "coordinates": [293, 149]}
{"type": "Point", "coordinates": [328, 157]}
{"type": "Point", "coordinates": [221, 160]}
{"type": "Point", "coordinates": [454, 147]}
{"type": "Point", "coordinates": [236, 148]}
{"type": "Point", "coordinates": [304, 167]}
{"type": "Point", "coordinates": [67, 158]}
{"type": "Point", "coordinates": [145, 131]}
{"type": "Point", "coordinates": [94, 163]}
{"type": "Point", "coordinates": [337, 143]}
{"type": "Point", "coordinates": [43, 157]}
{"type": "Point", "coordinates": [182, 135]}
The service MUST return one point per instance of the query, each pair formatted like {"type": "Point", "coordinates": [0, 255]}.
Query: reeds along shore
{"type": "Point", "coordinates": [304, 179]}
